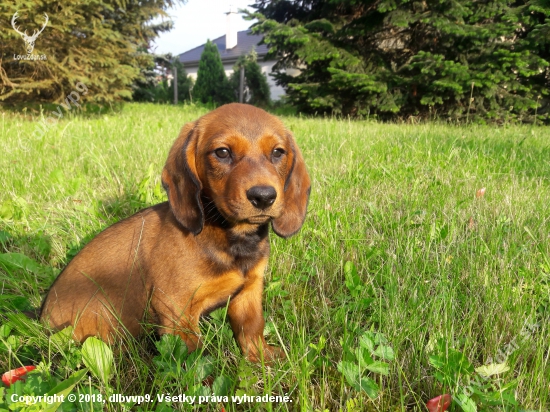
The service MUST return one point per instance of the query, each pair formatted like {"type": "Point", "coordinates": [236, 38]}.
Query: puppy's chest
{"type": "Point", "coordinates": [239, 252]}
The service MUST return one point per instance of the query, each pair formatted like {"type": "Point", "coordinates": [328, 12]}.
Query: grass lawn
{"type": "Point", "coordinates": [406, 281]}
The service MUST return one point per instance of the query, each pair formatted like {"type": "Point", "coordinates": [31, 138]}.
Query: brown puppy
{"type": "Point", "coordinates": [228, 175]}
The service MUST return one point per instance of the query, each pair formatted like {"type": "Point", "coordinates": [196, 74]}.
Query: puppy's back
{"type": "Point", "coordinates": [106, 283]}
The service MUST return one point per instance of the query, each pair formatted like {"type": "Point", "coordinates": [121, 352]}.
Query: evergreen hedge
{"type": "Point", "coordinates": [212, 85]}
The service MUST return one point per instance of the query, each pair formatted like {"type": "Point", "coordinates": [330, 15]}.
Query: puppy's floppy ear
{"type": "Point", "coordinates": [296, 195]}
{"type": "Point", "coordinates": [181, 182]}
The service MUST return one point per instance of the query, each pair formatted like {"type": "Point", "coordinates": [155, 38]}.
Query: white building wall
{"type": "Point", "coordinates": [191, 71]}
{"type": "Point", "coordinates": [267, 66]}
{"type": "Point", "coordinates": [276, 91]}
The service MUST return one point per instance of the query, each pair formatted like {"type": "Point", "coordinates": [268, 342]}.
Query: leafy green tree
{"type": "Point", "coordinates": [459, 59]}
{"type": "Point", "coordinates": [99, 43]}
{"type": "Point", "coordinates": [212, 84]}
{"type": "Point", "coordinates": [185, 83]}
{"type": "Point", "coordinates": [255, 80]}
{"type": "Point", "coordinates": [152, 85]}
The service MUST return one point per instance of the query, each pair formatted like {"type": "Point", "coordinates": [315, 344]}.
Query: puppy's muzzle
{"type": "Point", "coordinates": [261, 197]}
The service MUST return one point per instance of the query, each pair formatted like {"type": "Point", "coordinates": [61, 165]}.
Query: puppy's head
{"type": "Point", "coordinates": [246, 163]}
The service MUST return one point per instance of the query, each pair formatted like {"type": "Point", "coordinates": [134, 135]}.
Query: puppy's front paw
{"type": "Point", "coordinates": [275, 353]}
{"type": "Point", "coordinates": [269, 353]}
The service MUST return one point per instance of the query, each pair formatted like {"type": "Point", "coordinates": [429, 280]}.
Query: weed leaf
{"type": "Point", "coordinates": [97, 356]}
{"type": "Point", "coordinates": [379, 367]}
{"type": "Point", "coordinates": [353, 376]}
{"type": "Point", "coordinates": [365, 341]}
{"type": "Point", "coordinates": [384, 352]}
{"type": "Point", "coordinates": [204, 367]}
{"type": "Point", "coordinates": [466, 403]}
{"type": "Point", "coordinates": [370, 387]}
{"type": "Point", "coordinates": [492, 369]}
{"type": "Point", "coordinates": [221, 386]}
{"type": "Point", "coordinates": [64, 388]}
{"type": "Point", "coordinates": [353, 281]}
{"type": "Point", "coordinates": [14, 261]}
{"type": "Point", "coordinates": [4, 238]}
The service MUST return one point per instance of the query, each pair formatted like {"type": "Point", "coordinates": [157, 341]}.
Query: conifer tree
{"type": "Point", "coordinates": [152, 85]}
{"type": "Point", "coordinates": [100, 44]}
{"type": "Point", "coordinates": [389, 58]}
{"type": "Point", "coordinates": [212, 85]}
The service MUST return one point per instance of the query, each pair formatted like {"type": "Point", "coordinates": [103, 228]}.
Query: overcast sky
{"type": "Point", "coordinates": [197, 21]}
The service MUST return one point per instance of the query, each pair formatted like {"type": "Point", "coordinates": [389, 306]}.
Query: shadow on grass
{"type": "Point", "coordinates": [32, 111]}
{"type": "Point", "coordinates": [24, 270]}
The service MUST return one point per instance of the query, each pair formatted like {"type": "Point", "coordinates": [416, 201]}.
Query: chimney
{"type": "Point", "coordinates": [231, 32]}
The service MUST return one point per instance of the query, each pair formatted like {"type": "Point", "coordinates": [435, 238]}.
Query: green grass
{"type": "Point", "coordinates": [434, 263]}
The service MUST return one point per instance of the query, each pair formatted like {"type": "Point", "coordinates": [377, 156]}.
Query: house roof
{"type": "Point", "coordinates": [245, 42]}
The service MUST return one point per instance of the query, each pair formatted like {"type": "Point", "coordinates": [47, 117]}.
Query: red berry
{"type": "Point", "coordinates": [16, 374]}
{"type": "Point", "coordinates": [439, 404]}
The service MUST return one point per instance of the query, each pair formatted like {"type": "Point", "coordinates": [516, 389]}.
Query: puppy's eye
{"type": "Point", "coordinates": [277, 153]}
{"type": "Point", "coordinates": [222, 153]}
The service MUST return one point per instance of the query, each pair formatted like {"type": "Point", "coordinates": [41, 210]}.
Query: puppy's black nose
{"type": "Point", "coordinates": [261, 196]}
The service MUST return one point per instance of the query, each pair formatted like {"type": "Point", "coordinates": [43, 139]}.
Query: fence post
{"type": "Point", "coordinates": [175, 80]}
{"type": "Point", "coordinates": [241, 85]}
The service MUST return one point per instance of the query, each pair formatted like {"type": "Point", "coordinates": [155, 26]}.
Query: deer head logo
{"type": "Point", "coordinates": [29, 40]}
